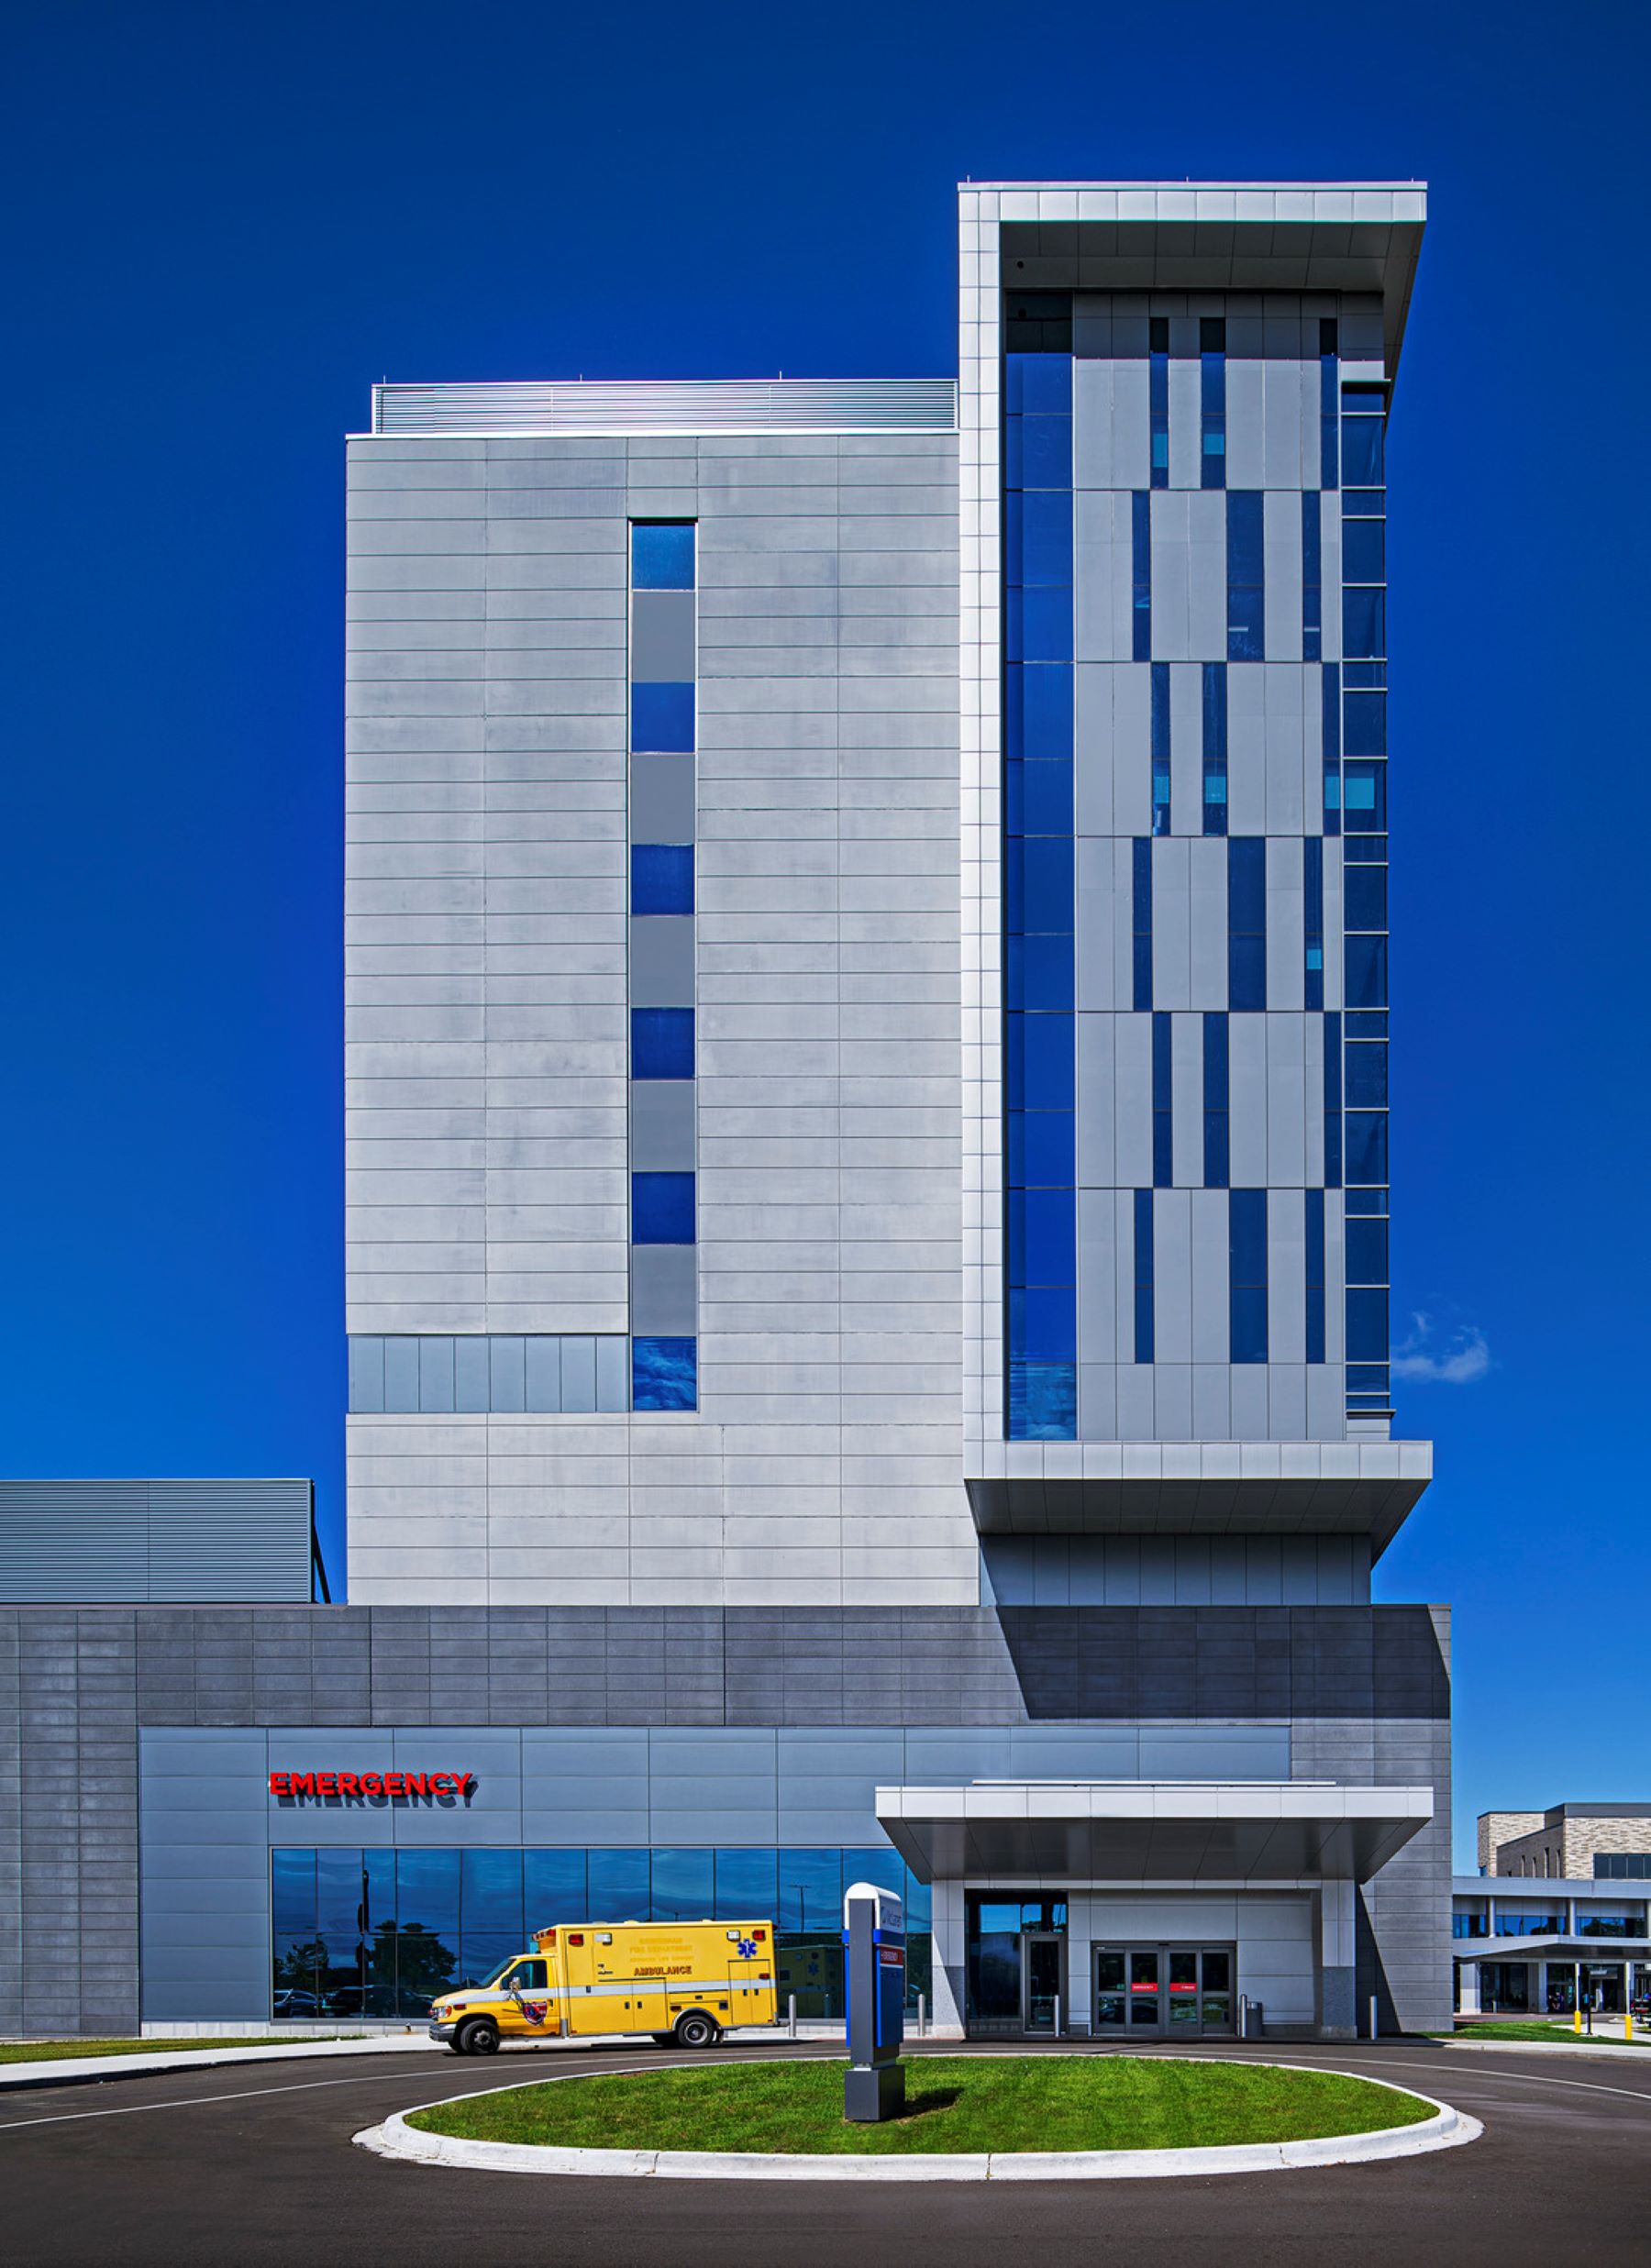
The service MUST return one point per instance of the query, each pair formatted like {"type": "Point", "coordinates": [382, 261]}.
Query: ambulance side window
{"type": "Point", "coordinates": [529, 1977]}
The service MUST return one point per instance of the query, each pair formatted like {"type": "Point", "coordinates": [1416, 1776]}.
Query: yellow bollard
{"type": "Point", "coordinates": [1577, 2017]}
{"type": "Point", "coordinates": [1628, 2021]}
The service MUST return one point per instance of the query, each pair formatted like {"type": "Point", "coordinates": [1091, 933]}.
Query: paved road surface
{"type": "Point", "coordinates": [249, 2167]}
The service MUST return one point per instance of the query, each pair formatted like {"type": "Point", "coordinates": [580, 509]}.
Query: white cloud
{"type": "Point", "coordinates": [1438, 1353]}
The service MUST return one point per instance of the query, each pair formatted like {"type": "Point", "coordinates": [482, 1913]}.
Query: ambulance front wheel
{"type": "Point", "coordinates": [479, 2037]}
{"type": "Point", "coordinates": [696, 2029]}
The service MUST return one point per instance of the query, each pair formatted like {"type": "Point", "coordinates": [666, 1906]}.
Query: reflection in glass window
{"type": "Point", "coordinates": [664, 1372]}
{"type": "Point", "coordinates": [1212, 355]}
{"type": "Point", "coordinates": [1158, 397]}
{"type": "Point", "coordinates": [1214, 747]}
{"type": "Point", "coordinates": [1247, 596]}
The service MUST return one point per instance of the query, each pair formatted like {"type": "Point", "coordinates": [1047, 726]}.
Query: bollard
{"type": "Point", "coordinates": [1058, 2016]}
{"type": "Point", "coordinates": [1628, 2021]}
{"type": "Point", "coordinates": [1577, 2020]}
{"type": "Point", "coordinates": [792, 2014]}
{"type": "Point", "coordinates": [1373, 2024]}
{"type": "Point", "coordinates": [923, 2015]}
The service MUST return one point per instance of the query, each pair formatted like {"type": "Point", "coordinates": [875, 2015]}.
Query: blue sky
{"type": "Point", "coordinates": [225, 223]}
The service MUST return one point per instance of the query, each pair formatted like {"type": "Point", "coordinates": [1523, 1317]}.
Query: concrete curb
{"type": "Point", "coordinates": [1447, 2129]}
{"type": "Point", "coordinates": [1601, 2050]}
{"type": "Point", "coordinates": [65, 2070]}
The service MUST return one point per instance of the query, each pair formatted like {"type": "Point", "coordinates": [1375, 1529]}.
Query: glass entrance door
{"type": "Point", "coordinates": [1043, 1981]}
{"type": "Point", "coordinates": [1178, 1992]}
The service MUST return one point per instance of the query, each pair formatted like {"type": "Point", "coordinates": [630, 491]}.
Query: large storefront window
{"type": "Point", "coordinates": [381, 1932]}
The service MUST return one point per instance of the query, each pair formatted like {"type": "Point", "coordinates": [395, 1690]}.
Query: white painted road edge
{"type": "Point", "coordinates": [1447, 2129]}
{"type": "Point", "coordinates": [55, 2070]}
{"type": "Point", "coordinates": [59, 2069]}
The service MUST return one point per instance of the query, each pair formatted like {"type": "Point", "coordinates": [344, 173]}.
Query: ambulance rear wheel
{"type": "Point", "coordinates": [696, 2029]}
{"type": "Point", "coordinates": [479, 2037]}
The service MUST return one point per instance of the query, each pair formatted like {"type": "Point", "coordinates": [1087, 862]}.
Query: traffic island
{"type": "Point", "coordinates": [989, 2118]}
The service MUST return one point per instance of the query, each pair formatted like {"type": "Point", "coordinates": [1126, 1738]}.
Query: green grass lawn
{"type": "Point", "coordinates": [953, 2103]}
{"type": "Point", "coordinates": [49, 2051]}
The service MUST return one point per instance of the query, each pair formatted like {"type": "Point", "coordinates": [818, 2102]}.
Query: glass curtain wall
{"type": "Point", "coordinates": [381, 1932]}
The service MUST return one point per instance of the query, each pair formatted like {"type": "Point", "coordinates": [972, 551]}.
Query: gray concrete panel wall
{"type": "Point", "coordinates": [490, 954]}
{"type": "Point", "coordinates": [76, 1686]}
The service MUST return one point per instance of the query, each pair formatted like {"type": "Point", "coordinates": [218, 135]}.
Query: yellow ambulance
{"type": "Point", "coordinates": [683, 1981]}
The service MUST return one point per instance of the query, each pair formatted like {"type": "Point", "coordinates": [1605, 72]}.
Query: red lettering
{"type": "Point", "coordinates": [372, 1784]}
{"type": "Point", "coordinates": [395, 1782]}
{"type": "Point", "coordinates": [443, 1783]}
{"type": "Point", "coordinates": [417, 1784]}
{"type": "Point", "coordinates": [303, 1783]}
{"type": "Point", "coordinates": [348, 1785]}
{"type": "Point", "coordinates": [326, 1783]}
{"type": "Point", "coordinates": [281, 1783]}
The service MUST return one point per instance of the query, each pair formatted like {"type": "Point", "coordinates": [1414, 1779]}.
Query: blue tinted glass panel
{"type": "Point", "coordinates": [1045, 623]}
{"type": "Point", "coordinates": [619, 1889]}
{"type": "Point", "coordinates": [1331, 714]}
{"type": "Point", "coordinates": [1212, 337]}
{"type": "Point", "coordinates": [1047, 799]}
{"type": "Point", "coordinates": [553, 1888]}
{"type": "Point", "coordinates": [662, 718]}
{"type": "Point", "coordinates": [1050, 1235]}
{"type": "Point", "coordinates": [1246, 1263]}
{"type": "Point", "coordinates": [1247, 922]}
{"type": "Point", "coordinates": [1367, 1250]}
{"type": "Point", "coordinates": [1158, 398]}
{"type": "Point", "coordinates": [1364, 622]}
{"type": "Point", "coordinates": [1214, 710]}
{"type": "Point", "coordinates": [1363, 450]}
{"type": "Point", "coordinates": [1041, 711]}
{"type": "Point", "coordinates": [1333, 1095]}
{"type": "Point", "coordinates": [1364, 721]}
{"type": "Point", "coordinates": [1366, 1078]}
{"type": "Point", "coordinates": [1042, 1149]}
{"type": "Point", "coordinates": [1366, 1325]}
{"type": "Point", "coordinates": [1216, 1160]}
{"type": "Point", "coordinates": [1247, 1319]}
{"type": "Point", "coordinates": [292, 1892]}
{"type": "Point", "coordinates": [1364, 897]}
{"type": "Point", "coordinates": [1312, 925]}
{"type": "Point", "coordinates": [661, 877]}
{"type": "Point", "coordinates": [1042, 384]}
{"type": "Point", "coordinates": [664, 1374]}
{"type": "Point", "coordinates": [1144, 1276]}
{"type": "Point", "coordinates": [1163, 1144]}
{"type": "Point", "coordinates": [1329, 404]}
{"type": "Point", "coordinates": [1041, 520]}
{"type": "Point", "coordinates": [661, 1209]}
{"type": "Point", "coordinates": [1364, 960]}
{"type": "Point", "coordinates": [1364, 548]}
{"type": "Point", "coordinates": [746, 1884]}
{"type": "Point", "coordinates": [1040, 1072]}
{"type": "Point", "coordinates": [1141, 584]}
{"type": "Point", "coordinates": [662, 554]}
{"type": "Point", "coordinates": [1141, 878]}
{"type": "Point", "coordinates": [810, 1892]}
{"type": "Point", "coordinates": [1312, 574]}
{"type": "Point", "coordinates": [1048, 1326]}
{"type": "Point", "coordinates": [489, 1892]}
{"type": "Point", "coordinates": [1314, 1220]}
{"type": "Point", "coordinates": [1365, 790]}
{"type": "Point", "coordinates": [1245, 592]}
{"type": "Point", "coordinates": [1043, 1402]}
{"type": "Point", "coordinates": [1045, 865]}
{"type": "Point", "coordinates": [681, 1886]}
{"type": "Point", "coordinates": [1365, 1136]}
{"type": "Point", "coordinates": [662, 1042]}
{"type": "Point", "coordinates": [1045, 451]}
{"type": "Point", "coordinates": [1039, 972]}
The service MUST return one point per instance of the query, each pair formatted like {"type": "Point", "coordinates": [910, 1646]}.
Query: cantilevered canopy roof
{"type": "Point", "coordinates": [1213, 236]}
{"type": "Point", "coordinates": [1093, 1830]}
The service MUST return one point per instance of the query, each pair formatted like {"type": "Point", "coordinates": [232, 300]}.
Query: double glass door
{"type": "Point", "coordinates": [1178, 1992]}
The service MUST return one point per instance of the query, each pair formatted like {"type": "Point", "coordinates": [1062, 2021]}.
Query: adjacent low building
{"type": "Point", "coordinates": [1559, 1914]}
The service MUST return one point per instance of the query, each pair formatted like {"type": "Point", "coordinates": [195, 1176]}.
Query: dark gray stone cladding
{"type": "Point", "coordinates": [1367, 1690]}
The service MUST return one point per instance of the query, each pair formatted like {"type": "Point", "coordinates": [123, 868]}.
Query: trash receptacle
{"type": "Point", "coordinates": [1251, 2020]}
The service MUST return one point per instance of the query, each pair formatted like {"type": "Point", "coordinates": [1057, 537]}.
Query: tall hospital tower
{"type": "Point", "coordinates": [867, 1205]}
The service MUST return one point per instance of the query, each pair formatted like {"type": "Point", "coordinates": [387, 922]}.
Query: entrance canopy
{"type": "Point", "coordinates": [1098, 1831]}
